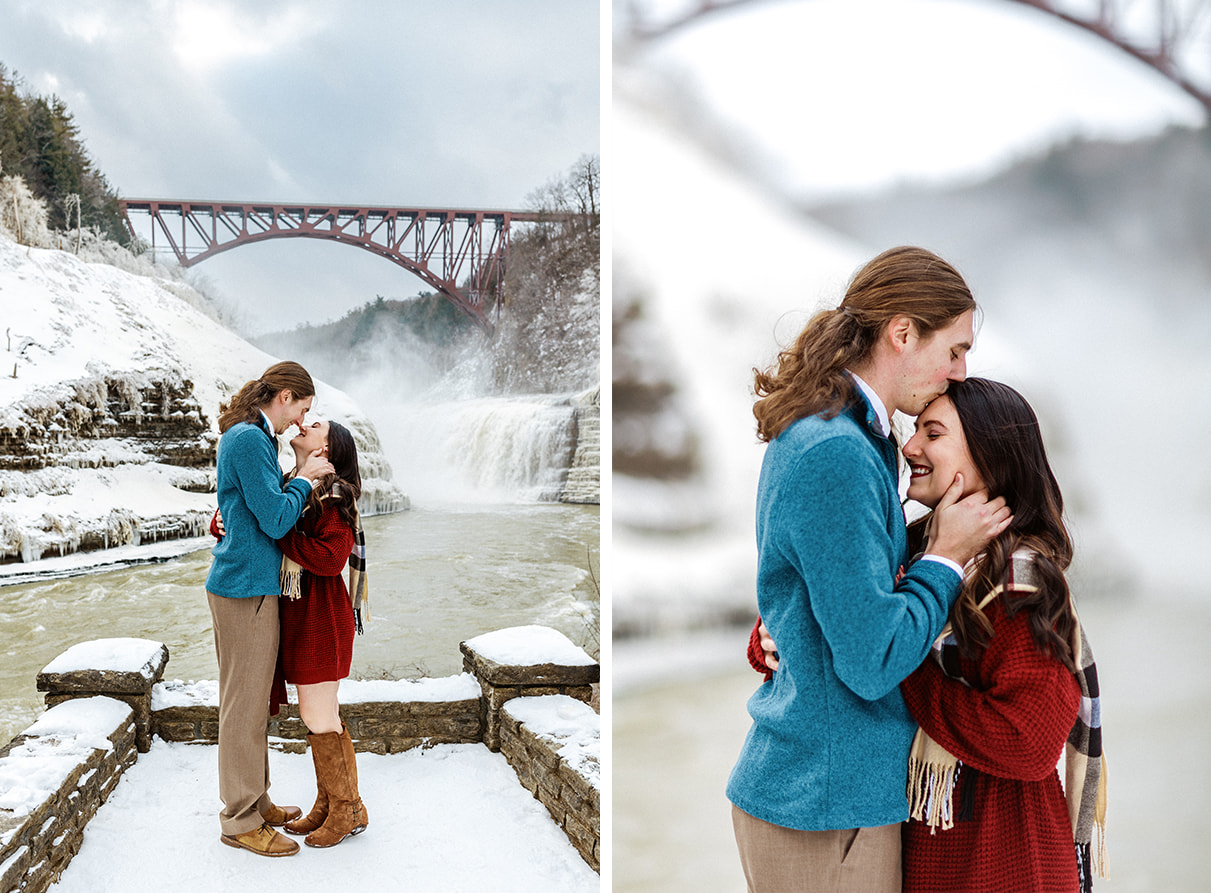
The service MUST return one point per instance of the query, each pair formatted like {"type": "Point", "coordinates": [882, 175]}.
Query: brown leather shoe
{"type": "Point", "coordinates": [263, 841]}
{"type": "Point", "coordinates": [277, 816]}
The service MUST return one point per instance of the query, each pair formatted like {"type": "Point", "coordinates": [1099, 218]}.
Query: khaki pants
{"type": "Point", "coordinates": [783, 860]}
{"type": "Point", "coordinates": [246, 643]}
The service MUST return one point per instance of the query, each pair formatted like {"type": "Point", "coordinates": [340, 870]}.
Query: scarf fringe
{"type": "Point", "coordinates": [931, 793]}
{"type": "Point", "coordinates": [1091, 860]}
{"type": "Point", "coordinates": [290, 578]}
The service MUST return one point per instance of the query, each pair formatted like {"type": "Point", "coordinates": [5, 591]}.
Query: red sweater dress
{"type": "Point", "coordinates": [317, 629]}
{"type": "Point", "coordinates": [1008, 727]}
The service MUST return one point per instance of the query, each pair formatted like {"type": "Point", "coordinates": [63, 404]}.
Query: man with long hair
{"type": "Point", "coordinates": [242, 588]}
{"type": "Point", "coordinates": [818, 791]}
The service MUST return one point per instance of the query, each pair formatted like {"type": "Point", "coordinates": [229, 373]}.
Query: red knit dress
{"type": "Point", "coordinates": [1007, 727]}
{"type": "Point", "coordinates": [317, 629]}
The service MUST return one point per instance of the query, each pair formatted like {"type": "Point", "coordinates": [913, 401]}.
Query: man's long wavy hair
{"type": "Point", "coordinates": [1006, 447]}
{"type": "Point", "coordinates": [246, 405]}
{"type": "Point", "coordinates": [810, 377]}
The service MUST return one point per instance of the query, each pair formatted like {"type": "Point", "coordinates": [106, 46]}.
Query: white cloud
{"type": "Point", "coordinates": [209, 34]}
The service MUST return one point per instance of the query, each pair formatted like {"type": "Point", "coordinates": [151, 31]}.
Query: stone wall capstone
{"type": "Point", "coordinates": [125, 669]}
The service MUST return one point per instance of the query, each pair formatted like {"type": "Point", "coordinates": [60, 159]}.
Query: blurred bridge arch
{"type": "Point", "coordinates": [1171, 36]}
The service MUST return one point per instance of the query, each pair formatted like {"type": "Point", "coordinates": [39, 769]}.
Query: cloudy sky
{"type": "Point", "coordinates": [411, 102]}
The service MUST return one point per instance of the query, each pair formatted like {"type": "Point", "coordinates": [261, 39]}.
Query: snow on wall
{"type": "Point", "coordinates": [110, 385]}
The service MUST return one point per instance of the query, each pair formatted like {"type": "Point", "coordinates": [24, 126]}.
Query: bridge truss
{"type": "Point", "coordinates": [460, 253]}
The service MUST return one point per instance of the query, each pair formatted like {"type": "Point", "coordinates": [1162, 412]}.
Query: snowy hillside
{"type": "Point", "coordinates": [109, 391]}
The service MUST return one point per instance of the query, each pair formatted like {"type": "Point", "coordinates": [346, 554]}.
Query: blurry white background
{"type": "Point", "coordinates": [759, 155]}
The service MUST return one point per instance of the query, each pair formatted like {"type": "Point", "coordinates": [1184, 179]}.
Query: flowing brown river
{"type": "Point", "coordinates": [437, 577]}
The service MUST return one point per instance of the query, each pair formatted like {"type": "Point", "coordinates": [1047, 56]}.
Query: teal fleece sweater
{"type": "Point", "coordinates": [828, 747]}
{"type": "Point", "coordinates": [257, 511]}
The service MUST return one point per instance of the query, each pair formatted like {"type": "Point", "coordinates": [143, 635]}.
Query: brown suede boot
{"type": "Point", "coordinates": [319, 811]}
{"type": "Point", "coordinates": [336, 764]}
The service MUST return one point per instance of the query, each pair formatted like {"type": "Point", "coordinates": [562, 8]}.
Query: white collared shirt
{"type": "Point", "coordinates": [875, 401]}
{"type": "Point", "coordinates": [885, 423]}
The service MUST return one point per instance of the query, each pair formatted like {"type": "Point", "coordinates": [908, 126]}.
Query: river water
{"type": "Point", "coordinates": [481, 549]}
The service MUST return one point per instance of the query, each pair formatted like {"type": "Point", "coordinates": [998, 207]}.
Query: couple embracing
{"type": "Point", "coordinates": [281, 610]}
{"type": "Point", "coordinates": [921, 683]}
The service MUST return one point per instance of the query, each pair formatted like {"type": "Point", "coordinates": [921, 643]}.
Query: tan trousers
{"type": "Point", "coordinates": [783, 860]}
{"type": "Point", "coordinates": [246, 643]}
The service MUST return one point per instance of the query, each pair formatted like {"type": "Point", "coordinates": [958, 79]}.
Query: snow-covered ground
{"type": "Point", "coordinates": [452, 818]}
{"type": "Point", "coordinates": [443, 818]}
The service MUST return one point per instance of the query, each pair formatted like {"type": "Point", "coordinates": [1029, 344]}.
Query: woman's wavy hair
{"type": "Point", "coordinates": [810, 377]}
{"type": "Point", "coordinates": [246, 405]}
{"type": "Point", "coordinates": [342, 453]}
{"type": "Point", "coordinates": [1006, 447]}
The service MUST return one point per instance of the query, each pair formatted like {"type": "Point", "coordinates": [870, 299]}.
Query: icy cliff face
{"type": "Point", "coordinates": [110, 385]}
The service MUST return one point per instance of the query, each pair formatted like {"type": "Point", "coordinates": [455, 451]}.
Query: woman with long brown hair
{"type": "Point", "coordinates": [1001, 696]}
{"type": "Point", "coordinates": [318, 619]}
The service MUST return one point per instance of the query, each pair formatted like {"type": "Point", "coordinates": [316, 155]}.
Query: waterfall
{"type": "Point", "coordinates": [493, 449]}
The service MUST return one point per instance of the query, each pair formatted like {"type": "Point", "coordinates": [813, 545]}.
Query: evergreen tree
{"type": "Point", "coordinates": [40, 142]}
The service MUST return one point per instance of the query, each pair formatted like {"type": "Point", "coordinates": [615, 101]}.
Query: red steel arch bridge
{"type": "Point", "coordinates": [1171, 36]}
{"type": "Point", "coordinates": [460, 253]}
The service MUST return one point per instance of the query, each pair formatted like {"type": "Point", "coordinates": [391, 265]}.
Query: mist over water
{"type": "Point", "coordinates": [457, 423]}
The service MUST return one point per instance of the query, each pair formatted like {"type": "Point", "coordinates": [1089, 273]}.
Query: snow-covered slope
{"type": "Point", "coordinates": [110, 385]}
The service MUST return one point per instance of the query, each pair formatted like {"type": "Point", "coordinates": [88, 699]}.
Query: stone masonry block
{"type": "Point", "coordinates": [132, 666]}
{"type": "Point", "coordinates": [528, 656]}
{"type": "Point", "coordinates": [15, 865]}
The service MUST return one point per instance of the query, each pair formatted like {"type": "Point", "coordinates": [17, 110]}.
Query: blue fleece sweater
{"type": "Point", "coordinates": [256, 510]}
{"type": "Point", "coordinates": [828, 748]}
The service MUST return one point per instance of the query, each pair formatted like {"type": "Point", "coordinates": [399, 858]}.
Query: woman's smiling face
{"type": "Point", "coordinates": [937, 452]}
{"type": "Point", "coordinates": [312, 437]}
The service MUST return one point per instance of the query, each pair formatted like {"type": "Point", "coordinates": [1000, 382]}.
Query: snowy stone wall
{"type": "Point", "coordinates": [526, 661]}
{"type": "Point", "coordinates": [552, 743]}
{"type": "Point", "coordinates": [53, 779]}
{"type": "Point", "coordinates": [125, 669]}
{"type": "Point", "coordinates": [382, 717]}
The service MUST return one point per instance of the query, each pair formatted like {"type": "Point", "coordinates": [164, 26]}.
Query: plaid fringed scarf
{"type": "Point", "coordinates": [933, 771]}
{"type": "Point", "coordinates": [1085, 770]}
{"type": "Point", "coordinates": [359, 589]}
{"type": "Point", "coordinates": [291, 573]}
